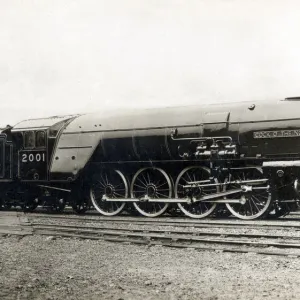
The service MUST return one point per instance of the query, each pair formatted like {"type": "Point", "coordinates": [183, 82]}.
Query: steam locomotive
{"type": "Point", "coordinates": [242, 156]}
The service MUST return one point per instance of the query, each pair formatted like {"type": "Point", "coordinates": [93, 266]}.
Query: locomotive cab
{"type": "Point", "coordinates": [32, 156]}
{"type": "Point", "coordinates": [35, 140]}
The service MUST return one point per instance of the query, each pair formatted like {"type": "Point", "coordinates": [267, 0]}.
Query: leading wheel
{"type": "Point", "coordinates": [255, 203]}
{"type": "Point", "coordinates": [147, 184]}
{"type": "Point", "coordinates": [197, 209]}
{"type": "Point", "coordinates": [110, 185]}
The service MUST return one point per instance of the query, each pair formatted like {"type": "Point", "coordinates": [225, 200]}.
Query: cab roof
{"type": "Point", "coordinates": [41, 123]}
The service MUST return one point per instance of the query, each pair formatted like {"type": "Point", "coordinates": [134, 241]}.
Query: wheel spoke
{"type": "Point", "coordinates": [142, 187]}
{"type": "Point", "coordinates": [254, 204]}
{"type": "Point", "coordinates": [144, 184]}
{"type": "Point", "coordinates": [148, 177]}
{"type": "Point", "coordinates": [190, 179]}
{"type": "Point", "coordinates": [100, 183]}
{"type": "Point", "coordinates": [165, 196]}
{"type": "Point", "coordinates": [158, 186]}
{"type": "Point", "coordinates": [115, 193]}
{"type": "Point", "coordinates": [250, 206]}
{"type": "Point", "coordinates": [145, 179]}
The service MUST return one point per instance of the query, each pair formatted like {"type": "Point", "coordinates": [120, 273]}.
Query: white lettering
{"type": "Point", "coordinates": [276, 134]}
{"type": "Point", "coordinates": [32, 157]}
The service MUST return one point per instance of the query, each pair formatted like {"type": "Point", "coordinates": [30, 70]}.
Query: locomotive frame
{"type": "Point", "coordinates": [199, 158]}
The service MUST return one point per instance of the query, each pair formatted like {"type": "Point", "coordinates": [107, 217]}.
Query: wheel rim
{"type": "Point", "coordinates": [151, 183]}
{"type": "Point", "coordinates": [111, 184]}
{"type": "Point", "coordinates": [196, 210]}
{"type": "Point", "coordinates": [257, 202]}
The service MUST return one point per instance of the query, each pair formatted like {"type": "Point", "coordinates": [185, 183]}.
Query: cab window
{"type": "Point", "coordinates": [40, 139]}
{"type": "Point", "coordinates": [29, 139]}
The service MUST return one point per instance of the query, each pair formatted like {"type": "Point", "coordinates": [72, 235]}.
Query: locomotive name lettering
{"type": "Point", "coordinates": [276, 134]}
{"type": "Point", "coordinates": [33, 157]}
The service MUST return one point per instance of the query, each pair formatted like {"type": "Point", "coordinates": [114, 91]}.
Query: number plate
{"type": "Point", "coordinates": [29, 157]}
{"type": "Point", "coordinates": [33, 165]}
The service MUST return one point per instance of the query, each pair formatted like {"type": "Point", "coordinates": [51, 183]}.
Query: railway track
{"type": "Point", "coordinates": [238, 243]}
{"type": "Point", "coordinates": [176, 222]}
{"type": "Point", "coordinates": [230, 223]}
{"type": "Point", "coordinates": [160, 233]}
{"type": "Point", "coordinates": [112, 230]}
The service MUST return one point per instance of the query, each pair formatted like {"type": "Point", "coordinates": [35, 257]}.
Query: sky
{"type": "Point", "coordinates": [63, 56]}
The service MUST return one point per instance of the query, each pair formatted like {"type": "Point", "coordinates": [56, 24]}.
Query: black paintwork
{"type": "Point", "coordinates": [145, 136]}
{"type": "Point", "coordinates": [162, 135]}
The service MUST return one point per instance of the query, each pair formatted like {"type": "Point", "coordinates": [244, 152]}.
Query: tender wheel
{"type": "Point", "coordinates": [110, 184]}
{"type": "Point", "coordinates": [257, 203]}
{"type": "Point", "coordinates": [199, 209]}
{"type": "Point", "coordinates": [151, 183]}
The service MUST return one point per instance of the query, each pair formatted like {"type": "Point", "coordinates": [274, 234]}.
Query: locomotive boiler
{"type": "Point", "coordinates": [244, 156]}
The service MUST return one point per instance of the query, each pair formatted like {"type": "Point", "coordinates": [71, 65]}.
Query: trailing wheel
{"type": "Point", "coordinates": [110, 185]}
{"type": "Point", "coordinates": [150, 184]}
{"type": "Point", "coordinates": [196, 209]}
{"type": "Point", "coordinates": [255, 199]}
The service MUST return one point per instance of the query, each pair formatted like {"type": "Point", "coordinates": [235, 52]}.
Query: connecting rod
{"type": "Point", "coordinates": [177, 200]}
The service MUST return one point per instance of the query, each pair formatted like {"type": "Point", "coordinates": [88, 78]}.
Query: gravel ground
{"type": "Point", "coordinates": [37, 267]}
